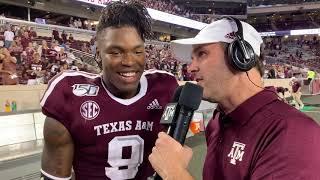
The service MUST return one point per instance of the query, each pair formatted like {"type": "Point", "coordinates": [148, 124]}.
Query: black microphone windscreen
{"type": "Point", "coordinates": [191, 96]}
{"type": "Point", "coordinates": [176, 95]}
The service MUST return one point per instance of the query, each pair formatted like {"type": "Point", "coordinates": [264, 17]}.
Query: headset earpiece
{"type": "Point", "coordinates": [237, 57]}
{"type": "Point", "coordinates": [241, 55]}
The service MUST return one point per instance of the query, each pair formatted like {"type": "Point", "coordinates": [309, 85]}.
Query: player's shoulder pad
{"type": "Point", "coordinates": [62, 79]}
{"type": "Point", "coordinates": [161, 80]}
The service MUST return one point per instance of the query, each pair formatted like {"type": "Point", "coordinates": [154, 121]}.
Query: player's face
{"type": "Point", "coordinates": [123, 59]}
{"type": "Point", "coordinates": [212, 71]}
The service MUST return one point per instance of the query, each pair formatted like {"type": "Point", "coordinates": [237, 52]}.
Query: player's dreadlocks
{"type": "Point", "coordinates": [129, 13]}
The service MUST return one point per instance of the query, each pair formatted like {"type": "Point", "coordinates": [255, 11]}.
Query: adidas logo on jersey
{"type": "Point", "coordinates": [154, 105]}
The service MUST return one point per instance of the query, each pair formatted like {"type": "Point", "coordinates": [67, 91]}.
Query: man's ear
{"type": "Point", "coordinates": [98, 59]}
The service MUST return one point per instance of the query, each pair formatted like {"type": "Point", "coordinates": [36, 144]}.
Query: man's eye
{"type": "Point", "coordinates": [115, 53]}
{"type": "Point", "coordinates": [201, 53]}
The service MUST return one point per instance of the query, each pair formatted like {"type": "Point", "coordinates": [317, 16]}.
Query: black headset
{"type": "Point", "coordinates": [241, 55]}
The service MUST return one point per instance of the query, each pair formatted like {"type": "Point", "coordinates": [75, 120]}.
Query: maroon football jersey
{"type": "Point", "coordinates": [113, 137]}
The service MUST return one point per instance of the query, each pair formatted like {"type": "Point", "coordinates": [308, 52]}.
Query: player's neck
{"type": "Point", "coordinates": [120, 94]}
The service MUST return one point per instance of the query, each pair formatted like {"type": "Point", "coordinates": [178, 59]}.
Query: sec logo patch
{"type": "Point", "coordinates": [89, 110]}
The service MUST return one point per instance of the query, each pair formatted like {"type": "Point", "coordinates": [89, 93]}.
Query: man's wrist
{"type": "Point", "coordinates": [180, 174]}
{"type": "Point", "coordinates": [185, 175]}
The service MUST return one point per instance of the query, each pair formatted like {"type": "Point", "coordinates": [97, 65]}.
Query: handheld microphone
{"type": "Point", "coordinates": [171, 112]}
{"type": "Point", "coordinates": [189, 101]}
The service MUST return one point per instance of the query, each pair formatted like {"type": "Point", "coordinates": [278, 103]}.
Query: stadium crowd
{"type": "Point", "coordinates": [27, 58]}
{"type": "Point", "coordinates": [286, 57]}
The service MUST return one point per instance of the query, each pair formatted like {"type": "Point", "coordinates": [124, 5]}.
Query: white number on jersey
{"type": "Point", "coordinates": [115, 159]}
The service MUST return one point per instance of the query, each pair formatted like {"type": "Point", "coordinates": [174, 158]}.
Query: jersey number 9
{"type": "Point", "coordinates": [115, 159]}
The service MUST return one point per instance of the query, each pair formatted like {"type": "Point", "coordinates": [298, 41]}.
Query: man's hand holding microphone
{"type": "Point", "coordinates": [169, 157]}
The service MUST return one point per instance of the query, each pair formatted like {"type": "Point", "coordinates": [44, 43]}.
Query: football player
{"type": "Point", "coordinates": [104, 126]}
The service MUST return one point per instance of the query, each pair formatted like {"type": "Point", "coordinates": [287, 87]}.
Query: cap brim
{"type": "Point", "coordinates": [182, 48]}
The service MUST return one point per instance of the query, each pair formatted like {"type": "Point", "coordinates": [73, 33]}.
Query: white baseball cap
{"type": "Point", "coordinates": [218, 31]}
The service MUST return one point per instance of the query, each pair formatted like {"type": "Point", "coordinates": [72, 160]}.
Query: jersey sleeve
{"type": "Point", "coordinates": [55, 101]}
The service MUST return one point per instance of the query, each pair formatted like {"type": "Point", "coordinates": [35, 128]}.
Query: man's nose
{"type": "Point", "coordinates": [193, 67]}
{"type": "Point", "coordinates": [128, 59]}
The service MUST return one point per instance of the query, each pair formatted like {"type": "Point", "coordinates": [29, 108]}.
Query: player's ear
{"type": "Point", "coordinates": [97, 55]}
{"type": "Point", "coordinates": [98, 59]}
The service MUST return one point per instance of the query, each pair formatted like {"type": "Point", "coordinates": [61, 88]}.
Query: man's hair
{"type": "Point", "coordinates": [129, 13]}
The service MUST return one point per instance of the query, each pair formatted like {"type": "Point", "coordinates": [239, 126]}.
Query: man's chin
{"type": "Point", "coordinates": [207, 98]}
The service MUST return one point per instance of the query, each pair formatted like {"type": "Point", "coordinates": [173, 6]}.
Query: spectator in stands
{"type": "Point", "coordinates": [62, 56]}
{"type": "Point", "coordinates": [74, 66]}
{"type": "Point", "coordinates": [85, 48]}
{"type": "Point", "coordinates": [32, 33]}
{"type": "Point", "coordinates": [272, 73]}
{"type": "Point", "coordinates": [288, 72]}
{"type": "Point", "coordinates": [36, 70]}
{"type": "Point", "coordinates": [55, 34]}
{"type": "Point", "coordinates": [53, 67]}
{"type": "Point", "coordinates": [89, 26]}
{"type": "Point", "coordinates": [24, 78]}
{"type": "Point", "coordinates": [55, 45]}
{"type": "Point", "coordinates": [71, 39]}
{"type": "Point", "coordinates": [29, 53]}
{"type": "Point", "coordinates": [77, 23]}
{"type": "Point", "coordinates": [84, 67]}
{"type": "Point", "coordinates": [64, 37]}
{"type": "Point", "coordinates": [25, 40]}
{"type": "Point", "coordinates": [70, 57]}
{"type": "Point", "coordinates": [51, 52]}
{"type": "Point", "coordinates": [17, 39]}
{"type": "Point", "coordinates": [64, 67]}
{"type": "Point", "coordinates": [44, 48]}
{"type": "Point", "coordinates": [37, 48]}
{"type": "Point", "coordinates": [185, 74]}
{"type": "Point", "coordinates": [7, 25]}
{"type": "Point", "coordinates": [16, 51]}
{"type": "Point", "coordinates": [8, 37]}
{"type": "Point", "coordinates": [296, 92]}
{"type": "Point", "coordinates": [2, 30]}
{"type": "Point", "coordinates": [71, 22]}
{"type": "Point", "coordinates": [20, 31]}
{"type": "Point", "coordinates": [8, 68]}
